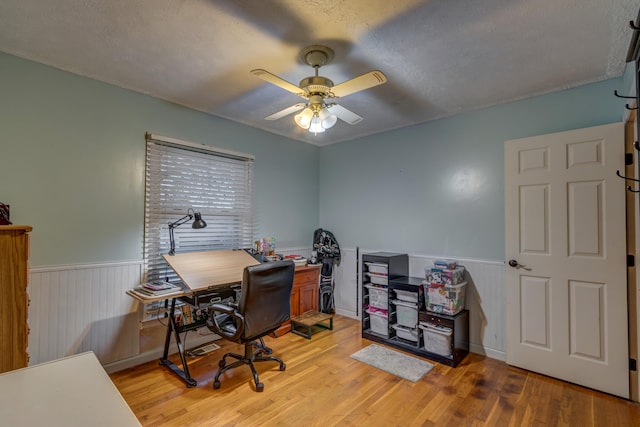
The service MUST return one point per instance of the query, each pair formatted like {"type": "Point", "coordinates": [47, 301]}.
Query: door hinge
{"type": "Point", "coordinates": [631, 261]}
{"type": "Point", "coordinates": [628, 159]}
{"type": "Point", "coordinates": [633, 365]}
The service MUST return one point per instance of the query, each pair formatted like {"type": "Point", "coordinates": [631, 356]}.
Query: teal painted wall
{"type": "Point", "coordinates": [437, 188]}
{"type": "Point", "coordinates": [72, 165]}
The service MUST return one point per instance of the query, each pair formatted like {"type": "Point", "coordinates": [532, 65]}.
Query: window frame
{"type": "Point", "coordinates": [183, 177]}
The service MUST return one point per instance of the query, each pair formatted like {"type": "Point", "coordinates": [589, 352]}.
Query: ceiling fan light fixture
{"type": "Point", "coordinates": [316, 125]}
{"type": "Point", "coordinates": [327, 119]}
{"type": "Point", "coordinates": [304, 118]}
{"type": "Point", "coordinates": [317, 114]}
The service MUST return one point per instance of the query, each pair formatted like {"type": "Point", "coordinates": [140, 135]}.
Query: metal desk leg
{"type": "Point", "coordinates": [172, 328]}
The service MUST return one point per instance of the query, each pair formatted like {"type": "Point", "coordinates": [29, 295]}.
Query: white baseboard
{"type": "Point", "coordinates": [347, 313]}
{"type": "Point", "coordinates": [489, 352]}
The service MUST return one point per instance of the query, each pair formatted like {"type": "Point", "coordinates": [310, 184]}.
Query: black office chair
{"type": "Point", "coordinates": [265, 303]}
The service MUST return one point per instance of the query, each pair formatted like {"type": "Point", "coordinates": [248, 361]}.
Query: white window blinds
{"type": "Point", "coordinates": [215, 182]}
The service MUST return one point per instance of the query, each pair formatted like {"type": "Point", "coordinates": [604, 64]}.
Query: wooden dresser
{"type": "Point", "coordinates": [14, 301]}
{"type": "Point", "coordinates": [304, 296]}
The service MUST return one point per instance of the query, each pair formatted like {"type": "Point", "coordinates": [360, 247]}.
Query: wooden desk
{"type": "Point", "coordinates": [73, 391]}
{"type": "Point", "coordinates": [201, 273]}
{"type": "Point", "coordinates": [210, 269]}
{"type": "Point", "coordinates": [207, 273]}
{"type": "Point", "coordinates": [304, 295]}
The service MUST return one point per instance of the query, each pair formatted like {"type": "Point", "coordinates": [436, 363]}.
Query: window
{"type": "Point", "coordinates": [215, 182]}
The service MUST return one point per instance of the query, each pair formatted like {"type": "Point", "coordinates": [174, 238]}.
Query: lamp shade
{"type": "Point", "coordinates": [198, 222]}
{"type": "Point", "coordinates": [327, 119]}
{"type": "Point", "coordinates": [316, 125]}
{"type": "Point", "coordinates": [304, 118]}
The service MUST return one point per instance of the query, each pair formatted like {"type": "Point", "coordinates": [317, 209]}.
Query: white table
{"type": "Point", "coordinates": [73, 391]}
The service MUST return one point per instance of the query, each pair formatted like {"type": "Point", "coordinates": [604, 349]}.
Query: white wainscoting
{"type": "Point", "coordinates": [485, 297]}
{"type": "Point", "coordinates": [84, 307]}
{"type": "Point", "coordinates": [78, 308]}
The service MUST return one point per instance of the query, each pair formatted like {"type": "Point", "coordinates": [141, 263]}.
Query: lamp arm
{"type": "Point", "coordinates": [172, 225]}
{"type": "Point", "coordinates": [181, 221]}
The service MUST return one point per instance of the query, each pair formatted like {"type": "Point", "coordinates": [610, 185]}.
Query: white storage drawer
{"type": "Point", "coordinates": [378, 297]}
{"type": "Point", "coordinates": [406, 313]}
{"type": "Point", "coordinates": [377, 268]}
{"type": "Point", "coordinates": [379, 323]}
{"type": "Point", "coordinates": [378, 279]}
{"type": "Point", "coordinates": [410, 334]}
{"type": "Point", "coordinates": [437, 339]}
{"type": "Point", "coordinates": [406, 295]}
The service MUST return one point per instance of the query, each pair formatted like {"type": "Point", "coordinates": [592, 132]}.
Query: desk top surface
{"type": "Point", "coordinates": [73, 391]}
{"type": "Point", "coordinates": [202, 270]}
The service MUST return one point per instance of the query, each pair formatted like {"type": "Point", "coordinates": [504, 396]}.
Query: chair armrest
{"type": "Point", "coordinates": [232, 334]}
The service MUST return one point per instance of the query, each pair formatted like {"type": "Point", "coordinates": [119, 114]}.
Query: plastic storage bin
{"type": "Point", "coordinates": [406, 295]}
{"type": "Point", "coordinates": [377, 268]}
{"type": "Point", "coordinates": [382, 311]}
{"type": "Point", "coordinates": [379, 323]}
{"type": "Point", "coordinates": [378, 297]}
{"type": "Point", "coordinates": [409, 334]}
{"type": "Point", "coordinates": [445, 276]}
{"type": "Point", "coordinates": [437, 339]}
{"type": "Point", "coordinates": [445, 299]}
{"type": "Point", "coordinates": [378, 279]}
{"type": "Point", "coordinates": [406, 313]}
{"type": "Point", "coordinates": [445, 263]}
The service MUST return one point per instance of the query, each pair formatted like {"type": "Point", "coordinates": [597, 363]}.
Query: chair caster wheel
{"type": "Point", "coordinates": [216, 385]}
{"type": "Point", "coordinates": [222, 363]}
{"type": "Point", "coordinates": [259, 387]}
{"type": "Point", "coordinates": [283, 367]}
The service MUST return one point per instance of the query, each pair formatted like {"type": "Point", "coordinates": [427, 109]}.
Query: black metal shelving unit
{"type": "Point", "coordinates": [399, 280]}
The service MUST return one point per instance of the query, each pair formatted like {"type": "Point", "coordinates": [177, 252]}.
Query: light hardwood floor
{"type": "Point", "coordinates": [323, 386]}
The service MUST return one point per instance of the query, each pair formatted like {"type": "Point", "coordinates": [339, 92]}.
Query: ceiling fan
{"type": "Point", "coordinates": [317, 114]}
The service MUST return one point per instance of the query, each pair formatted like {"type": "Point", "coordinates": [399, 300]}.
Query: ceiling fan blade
{"type": "Point", "coordinates": [286, 111]}
{"type": "Point", "coordinates": [280, 82]}
{"type": "Point", "coordinates": [356, 84]}
{"type": "Point", "coordinates": [344, 114]}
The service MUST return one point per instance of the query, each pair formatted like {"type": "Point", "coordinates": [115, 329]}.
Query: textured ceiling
{"type": "Point", "coordinates": [441, 57]}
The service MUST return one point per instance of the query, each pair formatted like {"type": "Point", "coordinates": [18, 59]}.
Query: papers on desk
{"type": "Point", "coordinates": [157, 289]}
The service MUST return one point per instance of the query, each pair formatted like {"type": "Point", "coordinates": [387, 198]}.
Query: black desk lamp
{"type": "Point", "coordinates": [197, 223]}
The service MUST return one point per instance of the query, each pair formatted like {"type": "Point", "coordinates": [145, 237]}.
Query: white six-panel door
{"type": "Point", "coordinates": [565, 229]}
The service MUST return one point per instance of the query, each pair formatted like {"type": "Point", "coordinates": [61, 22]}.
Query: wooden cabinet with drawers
{"type": "Point", "coordinates": [304, 296]}
{"type": "Point", "coordinates": [14, 278]}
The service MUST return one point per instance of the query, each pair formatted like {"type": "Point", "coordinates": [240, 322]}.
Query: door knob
{"type": "Point", "coordinates": [515, 264]}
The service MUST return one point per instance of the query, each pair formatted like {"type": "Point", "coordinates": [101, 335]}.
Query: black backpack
{"type": "Point", "coordinates": [326, 245]}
